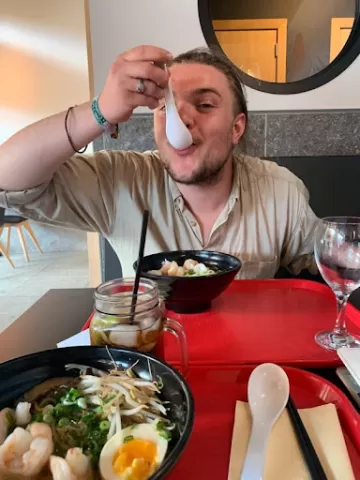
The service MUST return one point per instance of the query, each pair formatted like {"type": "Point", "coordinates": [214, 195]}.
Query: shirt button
{"type": "Point", "coordinates": [193, 224]}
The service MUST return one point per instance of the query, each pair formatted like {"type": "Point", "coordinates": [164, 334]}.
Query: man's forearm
{"type": "Point", "coordinates": [31, 156]}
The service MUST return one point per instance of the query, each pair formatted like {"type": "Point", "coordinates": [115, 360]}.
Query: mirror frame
{"type": "Point", "coordinates": [346, 57]}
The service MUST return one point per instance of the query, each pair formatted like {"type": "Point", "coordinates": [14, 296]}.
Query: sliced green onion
{"type": "Point", "coordinates": [48, 418]}
{"type": "Point", "coordinates": [74, 393]}
{"type": "Point", "coordinates": [70, 398]}
{"type": "Point", "coordinates": [160, 426]}
{"type": "Point", "coordinates": [165, 434]}
{"type": "Point", "coordinates": [95, 434]}
{"type": "Point", "coordinates": [48, 409]}
{"type": "Point", "coordinates": [63, 411]}
{"type": "Point", "coordinates": [88, 417]}
{"type": "Point", "coordinates": [104, 425]}
{"type": "Point", "coordinates": [81, 402]}
{"type": "Point", "coordinates": [37, 418]}
{"type": "Point", "coordinates": [129, 438]}
{"type": "Point", "coordinates": [63, 422]}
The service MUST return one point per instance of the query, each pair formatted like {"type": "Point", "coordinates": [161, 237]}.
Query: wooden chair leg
{"type": "Point", "coordinates": [8, 239]}
{"type": "Point", "coordinates": [3, 250]}
{"type": "Point", "coordinates": [30, 231]}
{"type": "Point", "coordinates": [22, 241]}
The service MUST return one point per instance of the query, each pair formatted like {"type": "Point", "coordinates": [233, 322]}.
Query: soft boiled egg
{"type": "Point", "coordinates": [135, 453]}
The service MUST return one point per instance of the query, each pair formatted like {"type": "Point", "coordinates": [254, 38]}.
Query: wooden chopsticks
{"type": "Point", "coordinates": [310, 456]}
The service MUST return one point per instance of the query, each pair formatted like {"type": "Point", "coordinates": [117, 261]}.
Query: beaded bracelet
{"type": "Point", "coordinates": [108, 127]}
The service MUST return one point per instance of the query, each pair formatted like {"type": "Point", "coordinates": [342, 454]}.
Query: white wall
{"type": "Point", "coordinates": [43, 60]}
{"type": "Point", "coordinates": [117, 25]}
{"type": "Point", "coordinates": [43, 70]}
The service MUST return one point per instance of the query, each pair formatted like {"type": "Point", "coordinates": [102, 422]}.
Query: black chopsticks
{"type": "Point", "coordinates": [312, 460]}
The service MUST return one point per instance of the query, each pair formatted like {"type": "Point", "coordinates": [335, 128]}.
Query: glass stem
{"type": "Point", "coordinates": [340, 324]}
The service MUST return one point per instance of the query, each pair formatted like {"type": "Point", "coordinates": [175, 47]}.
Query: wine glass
{"type": "Point", "coordinates": [337, 254]}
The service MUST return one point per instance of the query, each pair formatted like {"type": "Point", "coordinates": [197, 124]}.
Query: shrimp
{"type": "Point", "coordinates": [155, 272]}
{"type": "Point", "coordinates": [7, 416]}
{"type": "Point", "coordinates": [79, 463]}
{"type": "Point", "coordinates": [75, 466]}
{"type": "Point", "coordinates": [165, 267]}
{"type": "Point", "coordinates": [22, 414]}
{"type": "Point", "coordinates": [172, 272]}
{"type": "Point", "coordinates": [60, 469]}
{"type": "Point", "coordinates": [180, 272]}
{"type": "Point", "coordinates": [190, 264]}
{"type": "Point", "coordinates": [26, 452]}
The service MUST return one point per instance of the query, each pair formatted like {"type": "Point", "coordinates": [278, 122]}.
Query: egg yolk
{"type": "Point", "coordinates": [136, 460]}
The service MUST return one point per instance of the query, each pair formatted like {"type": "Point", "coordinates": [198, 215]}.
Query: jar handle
{"type": "Point", "coordinates": [176, 329]}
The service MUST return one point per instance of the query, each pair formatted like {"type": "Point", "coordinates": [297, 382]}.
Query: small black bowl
{"type": "Point", "coordinates": [20, 375]}
{"type": "Point", "coordinates": [191, 294]}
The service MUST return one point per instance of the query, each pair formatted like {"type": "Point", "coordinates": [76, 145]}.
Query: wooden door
{"type": "Point", "coordinates": [340, 31]}
{"type": "Point", "coordinates": [257, 47]}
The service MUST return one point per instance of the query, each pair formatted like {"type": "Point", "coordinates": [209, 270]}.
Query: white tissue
{"type": "Point", "coordinates": [80, 339]}
{"type": "Point", "coordinates": [351, 359]}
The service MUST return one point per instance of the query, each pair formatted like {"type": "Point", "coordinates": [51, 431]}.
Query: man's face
{"type": "Point", "coordinates": [206, 105]}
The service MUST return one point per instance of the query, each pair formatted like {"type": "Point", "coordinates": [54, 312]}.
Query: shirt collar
{"type": "Point", "coordinates": [175, 193]}
{"type": "Point", "coordinates": [235, 190]}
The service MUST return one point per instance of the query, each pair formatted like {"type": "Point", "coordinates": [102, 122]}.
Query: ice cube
{"type": "Point", "coordinates": [125, 336]}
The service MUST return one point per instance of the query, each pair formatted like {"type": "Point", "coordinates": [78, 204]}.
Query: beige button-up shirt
{"type": "Point", "coordinates": [267, 221]}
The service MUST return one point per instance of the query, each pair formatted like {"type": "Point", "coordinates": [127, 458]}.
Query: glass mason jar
{"type": "Point", "coordinates": [119, 322]}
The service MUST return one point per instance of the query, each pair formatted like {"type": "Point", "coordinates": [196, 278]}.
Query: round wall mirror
{"type": "Point", "coordinates": [284, 46]}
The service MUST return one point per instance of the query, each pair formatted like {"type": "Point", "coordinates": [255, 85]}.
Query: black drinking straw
{"type": "Point", "coordinates": [138, 266]}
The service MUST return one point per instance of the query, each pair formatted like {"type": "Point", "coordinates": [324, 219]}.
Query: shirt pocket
{"type": "Point", "coordinates": [258, 269]}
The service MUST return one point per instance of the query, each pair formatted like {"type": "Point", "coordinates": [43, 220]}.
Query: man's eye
{"type": "Point", "coordinates": [162, 108]}
{"type": "Point", "coordinates": [205, 106]}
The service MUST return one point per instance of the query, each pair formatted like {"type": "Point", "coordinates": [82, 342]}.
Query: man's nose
{"type": "Point", "coordinates": [185, 113]}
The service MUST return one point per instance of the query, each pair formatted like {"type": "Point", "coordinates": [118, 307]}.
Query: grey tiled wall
{"type": "Point", "coordinates": [312, 134]}
{"type": "Point", "coordinates": [281, 134]}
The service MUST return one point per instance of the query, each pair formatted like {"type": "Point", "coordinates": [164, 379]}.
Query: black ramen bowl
{"type": "Point", "coordinates": [20, 375]}
{"type": "Point", "coordinates": [191, 294]}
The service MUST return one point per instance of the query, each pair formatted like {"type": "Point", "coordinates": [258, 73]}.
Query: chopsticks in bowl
{"type": "Point", "coordinates": [310, 456]}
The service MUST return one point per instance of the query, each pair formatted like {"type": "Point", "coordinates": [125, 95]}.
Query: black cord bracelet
{"type": "Point", "coordinates": [68, 134]}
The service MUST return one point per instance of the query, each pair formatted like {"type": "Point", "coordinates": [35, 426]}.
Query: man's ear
{"type": "Point", "coordinates": [238, 128]}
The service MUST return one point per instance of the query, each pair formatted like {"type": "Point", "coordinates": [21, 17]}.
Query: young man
{"type": "Point", "coordinates": [203, 197]}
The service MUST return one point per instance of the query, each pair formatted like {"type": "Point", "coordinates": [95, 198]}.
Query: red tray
{"type": "Point", "coordinates": [216, 390]}
{"type": "Point", "coordinates": [257, 321]}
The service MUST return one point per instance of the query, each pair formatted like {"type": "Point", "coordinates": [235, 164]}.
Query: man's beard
{"type": "Point", "coordinates": [205, 175]}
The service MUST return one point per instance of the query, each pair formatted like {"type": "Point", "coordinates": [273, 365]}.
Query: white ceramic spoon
{"type": "Point", "coordinates": [178, 135]}
{"type": "Point", "coordinates": [268, 393]}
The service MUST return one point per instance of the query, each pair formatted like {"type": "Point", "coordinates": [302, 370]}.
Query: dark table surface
{"type": "Point", "coordinates": [57, 315]}
{"type": "Point", "coordinates": [61, 313]}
